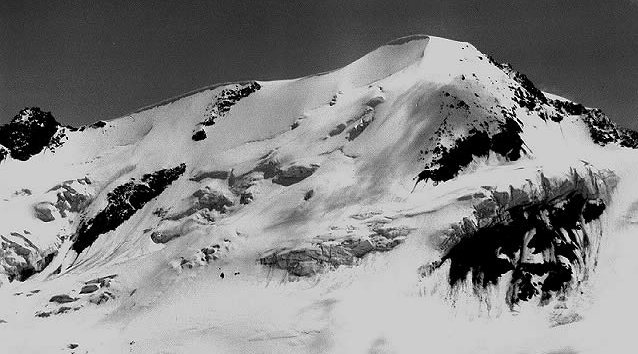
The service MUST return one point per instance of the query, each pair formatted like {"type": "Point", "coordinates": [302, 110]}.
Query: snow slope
{"type": "Point", "coordinates": [329, 213]}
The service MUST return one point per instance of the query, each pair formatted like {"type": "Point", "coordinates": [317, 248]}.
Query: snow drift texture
{"type": "Point", "coordinates": [422, 190]}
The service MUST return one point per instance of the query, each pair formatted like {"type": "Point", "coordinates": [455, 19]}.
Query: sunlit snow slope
{"type": "Point", "coordinates": [421, 199]}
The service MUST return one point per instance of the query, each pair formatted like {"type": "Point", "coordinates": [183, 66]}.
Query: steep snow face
{"type": "Point", "coordinates": [330, 213]}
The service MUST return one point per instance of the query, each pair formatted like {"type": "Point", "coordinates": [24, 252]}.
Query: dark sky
{"type": "Point", "coordinates": [91, 60]}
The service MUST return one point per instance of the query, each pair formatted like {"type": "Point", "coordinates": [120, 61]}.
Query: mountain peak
{"type": "Point", "coordinates": [310, 182]}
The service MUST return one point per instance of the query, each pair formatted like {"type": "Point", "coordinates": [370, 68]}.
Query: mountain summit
{"type": "Point", "coordinates": [424, 182]}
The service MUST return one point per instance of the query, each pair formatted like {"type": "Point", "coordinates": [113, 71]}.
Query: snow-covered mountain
{"type": "Point", "coordinates": [422, 197]}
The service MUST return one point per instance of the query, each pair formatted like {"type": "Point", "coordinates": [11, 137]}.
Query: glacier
{"type": "Point", "coordinates": [423, 198]}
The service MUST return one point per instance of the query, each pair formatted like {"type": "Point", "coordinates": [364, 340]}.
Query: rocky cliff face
{"type": "Point", "coordinates": [28, 133]}
{"type": "Point", "coordinates": [541, 239]}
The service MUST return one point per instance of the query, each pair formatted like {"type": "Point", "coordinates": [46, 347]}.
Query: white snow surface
{"type": "Point", "coordinates": [378, 305]}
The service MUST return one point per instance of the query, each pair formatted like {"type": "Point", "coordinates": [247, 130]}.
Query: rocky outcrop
{"type": "Point", "coordinates": [122, 203]}
{"type": "Point", "coordinates": [283, 176]}
{"type": "Point", "coordinates": [541, 235]}
{"type": "Point", "coordinates": [293, 174]}
{"type": "Point", "coordinates": [361, 124]}
{"type": "Point", "coordinates": [28, 133]}
{"type": "Point", "coordinates": [447, 162]}
{"type": "Point", "coordinates": [4, 152]}
{"type": "Point", "coordinates": [199, 135]}
{"type": "Point", "coordinates": [221, 105]}
{"type": "Point", "coordinates": [603, 131]}
{"type": "Point", "coordinates": [226, 99]}
{"type": "Point", "coordinates": [89, 288]}
{"type": "Point", "coordinates": [61, 310]}
{"type": "Point", "coordinates": [45, 211]}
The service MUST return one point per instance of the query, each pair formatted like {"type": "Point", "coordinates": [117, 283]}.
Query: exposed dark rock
{"type": "Point", "coordinates": [45, 211]}
{"type": "Point", "coordinates": [308, 195]}
{"type": "Point", "coordinates": [163, 237]}
{"type": "Point", "coordinates": [603, 131]}
{"type": "Point", "coordinates": [4, 152]}
{"type": "Point", "coordinates": [89, 288]}
{"type": "Point", "coordinates": [569, 107]}
{"type": "Point", "coordinates": [363, 123]}
{"type": "Point", "coordinates": [28, 133]}
{"type": "Point", "coordinates": [159, 212]}
{"type": "Point", "coordinates": [528, 95]}
{"type": "Point", "coordinates": [59, 311]}
{"type": "Point", "coordinates": [98, 124]}
{"type": "Point", "coordinates": [333, 100]}
{"type": "Point", "coordinates": [210, 253]}
{"type": "Point", "coordinates": [226, 99]}
{"type": "Point", "coordinates": [293, 175]}
{"type": "Point", "coordinates": [512, 228]}
{"type": "Point", "coordinates": [72, 346]}
{"type": "Point", "coordinates": [43, 314]}
{"type": "Point", "coordinates": [62, 299]}
{"type": "Point", "coordinates": [199, 135]}
{"type": "Point", "coordinates": [123, 202]}
{"type": "Point", "coordinates": [593, 209]}
{"type": "Point", "coordinates": [337, 130]}
{"type": "Point", "coordinates": [271, 169]}
{"type": "Point", "coordinates": [58, 139]}
{"type": "Point", "coordinates": [245, 198]}
{"type": "Point", "coordinates": [268, 167]}
{"type": "Point", "coordinates": [203, 256]}
{"type": "Point", "coordinates": [447, 163]}
{"type": "Point", "coordinates": [23, 192]}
